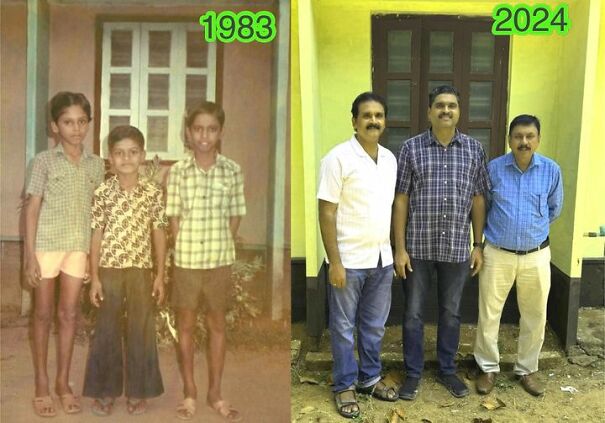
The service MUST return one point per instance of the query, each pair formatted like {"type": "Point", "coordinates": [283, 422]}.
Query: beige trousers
{"type": "Point", "coordinates": [532, 275]}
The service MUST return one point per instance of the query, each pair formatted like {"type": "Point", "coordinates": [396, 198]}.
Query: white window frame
{"type": "Point", "coordinates": [139, 73]}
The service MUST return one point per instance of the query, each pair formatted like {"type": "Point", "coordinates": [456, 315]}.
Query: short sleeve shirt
{"type": "Point", "coordinates": [440, 182]}
{"type": "Point", "coordinates": [127, 219]}
{"type": "Point", "coordinates": [66, 189]}
{"type": "Point", "coordinates": [205, 201]}
{"type": "Point", "coordinates": [364, 191]}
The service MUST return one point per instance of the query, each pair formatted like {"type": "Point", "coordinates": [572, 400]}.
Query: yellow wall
{"type": "Point", "coordinates": [546, 77]}
{"type": "Point", "coordinates": [590, 203]}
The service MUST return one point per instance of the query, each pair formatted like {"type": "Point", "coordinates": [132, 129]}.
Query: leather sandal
{"type": "Point", "coordinates": [381, 391]}
{"type": "Point", "coordinates": [346, 399]}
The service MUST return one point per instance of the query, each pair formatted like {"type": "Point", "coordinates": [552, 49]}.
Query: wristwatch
{"type": "Point", "coordinates": [478, 244]}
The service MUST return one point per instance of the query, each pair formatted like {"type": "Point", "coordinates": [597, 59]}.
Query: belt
{"type": "Point", "coordinates": [545, 244]}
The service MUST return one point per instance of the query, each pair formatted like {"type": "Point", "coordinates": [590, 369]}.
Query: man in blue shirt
{"type": "Point", "coordinates": [526, 196]}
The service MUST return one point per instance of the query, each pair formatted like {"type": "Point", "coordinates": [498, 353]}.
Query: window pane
{"type": "Point", "coordinates": [157, 133]}
{"type": "Point", "coordinates": [121, 48]}
{"type": "Point", "coordinates": [118, 121]}
{"type": "Point", "coordinates": [394, 138]}
{"type": "Point", "coordinates": [398, 100]}
{"type": "Point", "coordinates": [159, 48]}
{"type": "Point", "coordinates": [158, 86]}
{"type": "Point", "coordinates": [441, 52]}
{"type": "Point", "coordinates": [482, 52]}
{"type": "Point", "coordinates": [195, 90]}
{"type": "Point", "coordinates": [119, 91]}
{"type": "Point", "coordinates": [399, 51]}
{"type": "Point", "coordinates": [435, 84]}
{"type": "Point", "coordinates": [483, 136]}
{"type": "Point", "coordinates": [480, 107]}
{"type": "Point", "coordinates": [197, 50]}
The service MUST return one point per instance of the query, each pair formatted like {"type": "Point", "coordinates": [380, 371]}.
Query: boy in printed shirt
{"type": "Point", "coordinates": [205, 205]}
{"type": "Point", "coordinates": [127, 209]}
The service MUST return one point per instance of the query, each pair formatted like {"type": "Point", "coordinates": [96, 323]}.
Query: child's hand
{"type": "Point", "coordinates": [158, 290]}
{"type": "Point", "coordinates": [96, 293]}
{"type": "Point", "coordinates": [33, 276]}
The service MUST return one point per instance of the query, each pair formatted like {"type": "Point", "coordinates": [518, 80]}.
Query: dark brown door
{"type": "Point", "coordinates": [413, 54]}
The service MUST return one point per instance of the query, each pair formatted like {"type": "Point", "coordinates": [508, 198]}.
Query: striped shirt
{"type": "Point", "coordinates": [66, 189]}
{"type": "Point", "coordinates": [441, 182]}
{"type": "Point", "coordinates": [522, 204]}
{"type": "Point", "coordinates": [127, 219]}
{"type": "Point", "coordinates": [205, 201]}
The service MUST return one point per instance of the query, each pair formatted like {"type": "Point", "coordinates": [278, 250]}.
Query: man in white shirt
{"type": "Point", "coordinates": [356, 191]}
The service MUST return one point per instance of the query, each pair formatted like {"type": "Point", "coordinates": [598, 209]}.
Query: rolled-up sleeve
{"type": "Point", "coordinates": [330, 180]}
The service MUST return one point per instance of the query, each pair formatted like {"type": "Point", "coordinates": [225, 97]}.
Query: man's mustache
{"type": "Point", "coordinates": [373, 126]}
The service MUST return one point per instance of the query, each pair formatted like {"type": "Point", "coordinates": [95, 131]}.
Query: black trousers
{"type": "Point", "coordinates": [105, 377]}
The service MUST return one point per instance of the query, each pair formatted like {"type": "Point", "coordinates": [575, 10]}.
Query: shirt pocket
{"type": "Point", "coordinates": [57, 183]}
{"type": "Point", "coordinates": [219, 197]}
{"type": "Point", "coordinates": [538, 202]}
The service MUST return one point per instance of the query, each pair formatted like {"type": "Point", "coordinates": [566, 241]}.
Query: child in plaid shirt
{"type": "Point", "coordinates": [205, 205]}
{"type": "Point", "coordinates": [57, 238]}
{"type": "Point", "coordinates": [127, 214]}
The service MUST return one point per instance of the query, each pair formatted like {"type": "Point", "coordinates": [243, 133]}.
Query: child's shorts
{"type": "Point", "coordinates": [72, 263]}
{"type": "Point", "coordinates": [210, 286]}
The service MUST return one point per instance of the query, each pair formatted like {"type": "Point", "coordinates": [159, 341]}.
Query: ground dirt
{"type": "Point", "coordinates": [312, 398]}
{"type": "Point", "coordinates": [256, 379]}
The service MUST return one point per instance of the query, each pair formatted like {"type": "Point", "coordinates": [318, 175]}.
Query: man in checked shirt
{"type": "Point", "coordinates": [441, 183]}
{"type": "Point", "coordinates": [526, 196]}
{"type": "Point", "coordinates": [204, 206]}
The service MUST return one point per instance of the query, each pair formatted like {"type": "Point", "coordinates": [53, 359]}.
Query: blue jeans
{"type": "Point", "coordinates": [364, 302]}
{"type": "Point", "coordinates": [451, 278]}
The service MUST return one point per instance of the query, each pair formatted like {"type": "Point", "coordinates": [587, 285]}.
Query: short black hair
{"type": "Point", "coordinates": [443, 89]}
{"type": "Point", "coordinates": [64, 99]}
{"type": "Point", "coordinates": [121, 132]}
{"type": "Point", "coordinates": [205, 108]}
{"type": "Point", "coordinates": [524, 120]}
{"type": "Point", "coordinates": [367, 96]}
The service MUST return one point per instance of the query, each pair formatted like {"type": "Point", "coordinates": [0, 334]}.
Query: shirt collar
{"type": "Point", "coordinates": [457, 139]}
{"type": "Point", "coordinates": [114, 183]}
{"type": "Point", "coordinates": [358, 149]}
{"type": "Point", "coordinates": [536, 160]}
{"type": "Point", "coordinates": [191, 163]}
{"type": "Point", "coordinates": [58, 149]}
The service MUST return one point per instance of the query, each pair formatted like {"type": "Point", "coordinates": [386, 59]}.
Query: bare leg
{"type": "Point", "coordinates": [185, 322]}
{"type": "Point", "coordinates": [44, 296]}
{"type": "Point", "coordinates": [69, 300]}
{"type": "Point", "coordinates": [215, 322]}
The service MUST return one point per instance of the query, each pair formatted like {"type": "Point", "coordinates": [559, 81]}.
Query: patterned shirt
{"type": "Point", "coordinates": [66, 189]}
{"type": "Point", "coordinates": [204, 201]}
{"type": "Point", "coordinates": [127, 218]}
{"type": "Point", "coordinates": [441, 182]}
{"type": "Point", "coordinates": [522, 204]}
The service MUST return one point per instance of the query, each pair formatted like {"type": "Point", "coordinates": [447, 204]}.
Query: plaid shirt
{"type": "Point", "coordinates": [441, 182]}
{"type": "Point", "coordinates": [66, 189]}
{"type": "Point", "coordinates": [204, 201]}
{"type": "Point", "coordinates": [127, 218]}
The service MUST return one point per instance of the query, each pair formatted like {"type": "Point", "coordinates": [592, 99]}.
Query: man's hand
{"type": "Point", "coordinates": [96, 292]}
{"type": "Point", "coordinates": [33, 275]}
{"type": "Point", "coordinates": [476, 260]}
{"type": "Point", "coordinates": [337, 275]}
{"type": "Point", "coordinates": [402, 262]}
{"type": "Point", "coordinates": [158, 290]}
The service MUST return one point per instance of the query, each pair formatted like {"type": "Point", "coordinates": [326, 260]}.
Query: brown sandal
{"type": "Point", "coordinates": [381, 391]}
{"type": "Point", "coordinates": [342, 402]}
{"type": "Point", "coordinates": [44, 406]}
